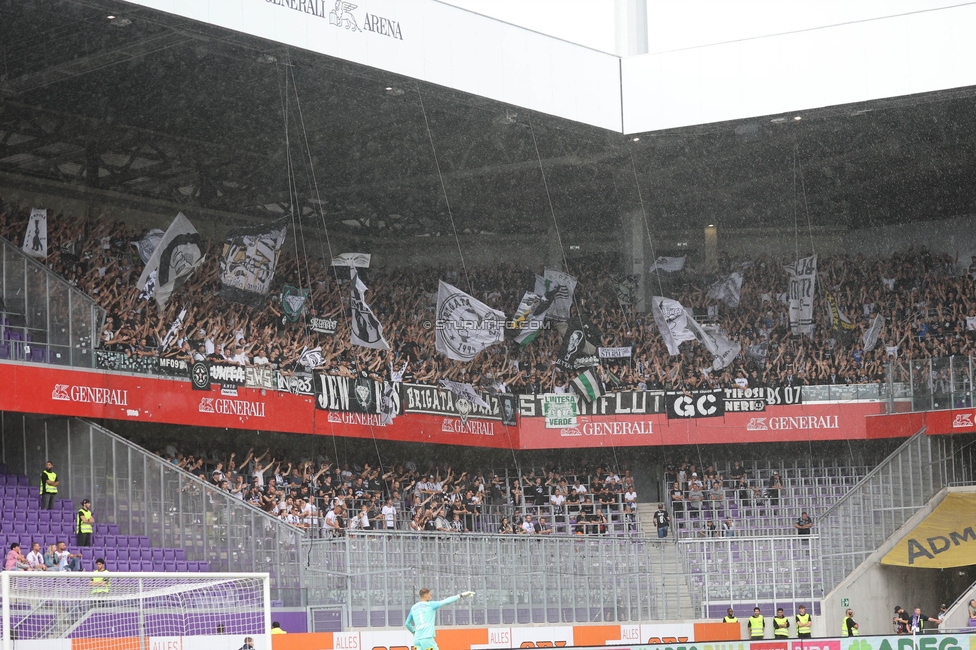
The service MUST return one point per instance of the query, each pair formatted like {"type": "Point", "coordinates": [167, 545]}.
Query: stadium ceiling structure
{"type": "Point", "coordinates": [108, 95]}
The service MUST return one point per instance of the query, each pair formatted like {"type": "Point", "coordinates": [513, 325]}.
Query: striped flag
{"type": "Point", "coordinates": [588, 386]}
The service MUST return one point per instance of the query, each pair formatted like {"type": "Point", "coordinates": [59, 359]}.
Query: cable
{"type": "Point", "coordinates": [440, 176]}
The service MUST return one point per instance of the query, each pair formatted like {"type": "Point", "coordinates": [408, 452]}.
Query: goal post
{"type": "Point", "coordinates": [134, 611]}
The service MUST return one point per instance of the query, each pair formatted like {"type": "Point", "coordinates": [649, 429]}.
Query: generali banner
{"type": "Point", "coordinates": [636, 422]}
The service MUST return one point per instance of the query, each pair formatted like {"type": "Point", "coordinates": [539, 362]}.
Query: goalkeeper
{"type": "Point", "coordinates": [420, 621]}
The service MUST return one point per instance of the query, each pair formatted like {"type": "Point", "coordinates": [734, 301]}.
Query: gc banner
{"type": "Point", "coordinates": [695, 404]}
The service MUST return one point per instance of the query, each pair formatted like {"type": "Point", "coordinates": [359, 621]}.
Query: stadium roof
{"type": "Point", "coordinates": [159, 107]}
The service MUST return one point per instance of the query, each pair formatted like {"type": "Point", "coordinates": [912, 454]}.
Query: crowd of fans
{"type": "Point", "coordinates": [929, 307]}
{"type": "Point", "coordinates": [330, 498]}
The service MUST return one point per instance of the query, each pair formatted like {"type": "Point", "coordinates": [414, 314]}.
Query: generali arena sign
{"type": "Point", "coordinates": [636, 421]}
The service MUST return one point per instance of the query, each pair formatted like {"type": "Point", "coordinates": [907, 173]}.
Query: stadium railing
{"type": "Point", "coordinates": [143, 494]}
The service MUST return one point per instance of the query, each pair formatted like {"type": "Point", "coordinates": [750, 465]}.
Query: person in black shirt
{"type": "Point", "coordinates": [663, 521]}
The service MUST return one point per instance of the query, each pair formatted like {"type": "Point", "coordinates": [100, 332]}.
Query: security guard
{"type": "Point", "coordinates": [99, 581]}
{"type": "Point", "coordinates": [781, 625]}
{"type": "Point", "coordinates": [730, 617]}
{"type": "Point", "coordinates": [849, 627]}
{"type": "Point", "coordinates": [49, 486]}
{"type": "Point", "coordinates": [803, 623]}
{"type": "Point", "coordinates": [85, 523]}
{"type": "Point", "coordinates": [757, 624]}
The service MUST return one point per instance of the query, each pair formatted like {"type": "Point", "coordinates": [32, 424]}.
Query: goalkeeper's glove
{"type": "Point", "coordinates": [466, 594]}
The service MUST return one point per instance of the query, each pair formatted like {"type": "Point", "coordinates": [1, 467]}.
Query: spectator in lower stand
{"type": "Point", "coordinates": [16, 560]}
{"type": "Point", "coordinates": [709, 529]}
{"type": "Point", "coordinates": [51, 558]}
{"type": "Point", "coordinates": [457, 526]}
{"type": "Point", "coordinates": [900, 620]}
{"type": "Point", "coordinates": [35, 559]}
{"type": "Point", "coordinates": [728, 527]}
{"type": "Point", "coordinates": [917, 621]}
{"type": "Point", "coordinates": [68, 561]}
{"type": "Point", "coordinates": [804, 524]}
{"type": "Point", "coordinates": [663, 521]}
{"type": "Point", "coordinates": [389, 515]}
{"type": "Point", "coordinates": [542, 527]}
{"type": "Point", "coordinates": [505, 528]}
{"type": "Point", "coordinates": [773, 488]}
{"type": "Point", "coordinates": [695, 499]}
{"type": "Point", "coordinates": [527, 525]}
{"type": "Point", "coordinates": [677, 499]}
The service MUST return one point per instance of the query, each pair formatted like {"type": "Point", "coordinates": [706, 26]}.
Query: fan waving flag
{"type": "Point", "coordinates": [588, 386]}
{"type": "Point", "coordinates": [367, 330]}
{"type": "Point", "coordinates": [465, 326]}
{"type": "Point", "coordinates": [530, 316]}
{"type": "Point", "coordinates": [558, 289]}
{"type": "Point", "coordinates": [465, 391]}
{"type": "Point", "coordinates": [176, 255]}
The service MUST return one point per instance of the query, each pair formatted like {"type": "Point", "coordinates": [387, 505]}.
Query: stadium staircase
{"type": "Point", "coordinates": [664, 554]}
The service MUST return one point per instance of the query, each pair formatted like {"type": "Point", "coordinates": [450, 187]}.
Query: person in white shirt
{"type": "Point", "coordinates": [364, 518]}
{"type": "Point", "coordinates": [557, 501]}
{"type": "Point", "coordinates": [35, 558]}
{"type": "Point", "coordinates": [389, 513]}
{"type": "Point", "coordinates": [630, 498]}
{"type": "Point", "coordinates": [527, 525]}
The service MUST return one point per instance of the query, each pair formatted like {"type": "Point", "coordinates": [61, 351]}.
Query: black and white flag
{"type": "Point", "coordinates": [465, 391]}
{"type": "Point", "coordinates": [248, 261]}
{"type": "Point", "coordinates": [803, 280]}
{"type": "Point", "coordinates": [672, 322]}
{"type": "Point", "coordinates": [148, 244]}
{"type": "Point", "coordinates": [873, 332]}
{"type": "Point", "coordinates": [35, 239]}
{"type": "Point", "coordinates": [311, 357]}
{"type": "Point", "coordinates": [179, 252]}
{"type": "Point", "coordinates": [723, 350]}
{"type": "Point", "coordinates": [173, 330]}
{"type": "Point", "coordinates": [530, 317]}
{"type": "Point", "coordinates": [758, 353]}
{"type": "Point", "coordinates": [579, 349]}
{"type": "Point", "coordinates": [728, 290]}
{"type": "Point", "coordinates": [558, 288]}
{"type": "Point", "coordinates": [366, 328]}
{"type": "Point", "coordinates": [465, 326]}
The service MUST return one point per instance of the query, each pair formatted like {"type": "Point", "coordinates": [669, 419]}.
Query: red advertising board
{"type": "Point", "coordinates": [816, 421]}
{"type": "Point", "coordinates": [117, 396]}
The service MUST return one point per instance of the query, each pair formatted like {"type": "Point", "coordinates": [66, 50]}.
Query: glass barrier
{"type": "Point", "coordinates": [43, 319]}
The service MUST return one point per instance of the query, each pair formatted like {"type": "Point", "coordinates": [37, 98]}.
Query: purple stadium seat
{"type": "Point", "coordinates": [169, 555]}
{"type": "Point", "coordinates": [111, 556]}
{"type": "Point", "coordinates": [182, 567]}
{"type": "Point", "coordinates": [23, 480]}
{"type": "Point", "coordinates": [4, 350]}
{"type": "Point", "coordinates": [157, 554]}
{"type": "Point", "coordinates": [109, 540]}
{"type": "Point", "coordinates": [180, 554]}
{"type": "Point", "coordinates": [23, 491]}
{"type": "Point", "coordinates": [20, 516]}
{"type": "Point", "coordinates": [144, 542]}
{"type": "Point", "coordinates": [67, 504]}
{"type": "Point", "coordinates": [169, 566]}
{"type": "Point", "coordinates": [45, 515]}
{"type": "Point", "coordinates": [3, 480]}
{"type": "Point", "coordinates": [146, 567]}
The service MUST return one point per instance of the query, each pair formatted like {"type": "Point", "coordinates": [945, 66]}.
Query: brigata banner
{"type": "Point", "coordinates": [38, 388]}
{"type": "Point", "coordinates": [437, 400]}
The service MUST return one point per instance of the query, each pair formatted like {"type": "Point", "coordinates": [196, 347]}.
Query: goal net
{"type": "Point", "coordinates": [134, 611]}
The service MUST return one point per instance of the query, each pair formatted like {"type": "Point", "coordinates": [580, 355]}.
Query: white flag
{"type": "Point", "coordinates": [465, 326]}
{"type": "Point", "coordinates": [668, 264]}
{"type": "Point", "coordinates": [465, 391]}
{"type": "Point", "coordinates": [722, 349]}
{"type": "Point", "coordinates": [35, 239]}
{"type": "Point", "coordinates": [803, 280]}
{"type": "Point", "coordinates": [179, 252]}
{"type": "Point", "coordinates": [727, 290]}
{"type": "Point", "coordinates": [871, 336]}
{"type": "Point", "coordinates": [359, 260]}
{"type": "Point", "coordinates": [672, 321]}
{"type": "Point", "coordinates": [367, 330]}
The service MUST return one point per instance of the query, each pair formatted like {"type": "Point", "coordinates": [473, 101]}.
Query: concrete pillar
{"type": "Point", "coordinates": [711, 248]}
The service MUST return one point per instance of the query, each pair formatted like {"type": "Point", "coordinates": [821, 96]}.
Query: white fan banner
{"type": "Point", "coordinates": [614, 353]}
{"type": "Point", "coordinates": [35, 239]}
{"type": "Point", "coordinates": [359, 260]}
{"type": "Point", "coordinates": [803, 281]}
{"type": "Point", "coordinates": [464, 325]}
